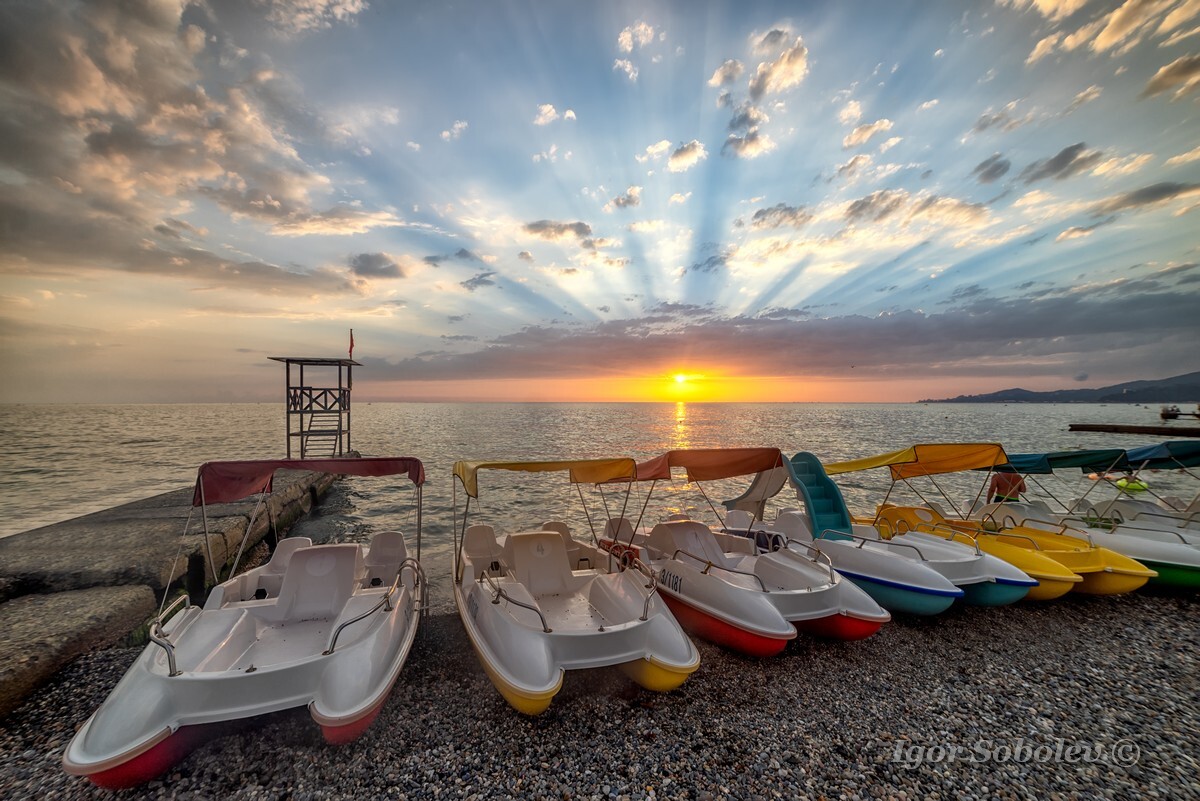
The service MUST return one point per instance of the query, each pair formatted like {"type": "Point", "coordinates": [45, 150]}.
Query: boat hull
{"type": "Point", "coordinates": [902, 599]}
{"type": "Point", "coordinates": [994, 593]}
{"type": "Point", "coordinates": [840, 626]}
{"type": "Point", "coordinates": [1174, 576]}
{"type": "Point", "coordinates": [712, 628]}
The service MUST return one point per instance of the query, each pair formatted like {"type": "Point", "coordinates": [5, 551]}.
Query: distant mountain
{"type": "Point", "coordinates": [1180, 389]}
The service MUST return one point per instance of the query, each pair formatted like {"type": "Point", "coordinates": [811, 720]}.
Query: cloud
{"type": "Point", "coordinates": [632, 197]}
{"type": "Point", "coordinates": [546, 114]}
{"type": "Point", "coordinates": [1183, 72]}
{"type": "Point", "coordinates": [1051, 9]}
{"type": "Point", "coordinates": [301, 16]}
{"type": "Point", "coordinates": [779, 215]}
{"type": "Point", "coordinates": [455, 131]}
{"type": "Point", "coordinates": [686, 156]}
{"type": "Point", "coordinates": [876, 206]}
{"type": "Point", "coordinates": [785, 72]}
{"type": "Point", "coordinates": [748, 118]}
{"type": "Point", "coordinates": [1086, 96]}
{"type": "Point", "coordinates": [477, 281]}
{"type": "Point", "coordinates": [863, 133]}
{"type": "Point", "coordinates": [854, 166]}
{"type": "Point", "coordinates": [626, 66]}
{"type": "Point", "coordinates": [729, 71]}
{"type": "Point", "coordinates": [750, 146]}
{"type": "Point", "coordinates": [850, 113]}
{"type": "Point", "coordinates": [771, 41]}
{"type": "Point", "coordinates": [1185, 158]}
{"type": "Point", "coordinates": [525, 256]}
{"type": "Point", "coordinates": [1146, 197]}
{"type": "Point", "coordinates": [376, 265]}
{"type": "Point", "coordinates": [654, 151]}
{"type": "Point", "coordinates": [338, 221]}
{"type": "Point", "coordinates": [638, 35]}
{"type": "Point", "coordinates": [991, 169]}
{"type": "Point", "coordinates": [558, 231]}
{"type": "Point", "coordinates": [1069, 161]}
{"type": "Point", "coordinates": [680, 197]}
{"type": "Point", "coordinates": [1004, 119]}
{"type": "Point", "coordinates": [1079, 231]}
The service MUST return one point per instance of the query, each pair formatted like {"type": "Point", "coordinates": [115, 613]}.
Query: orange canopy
{"type": "Point", "coordinates": [928, 460]}
{"type": "Point", "coordinates": [709, 464]}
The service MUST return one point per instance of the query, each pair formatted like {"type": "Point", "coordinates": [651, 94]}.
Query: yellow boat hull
{"type": "Point", "coordinates": [1103, 571]}
{"type": "Point", "coordinates": [1054, 579]}
{"type": "Point", "coordinates": [655, 676]}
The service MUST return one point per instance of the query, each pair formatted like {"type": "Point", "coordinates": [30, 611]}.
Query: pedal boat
{"type": "Point", "coordinates": [721, 588]}
{"type": "Point", "coordinates": [323, 626]}
{"type": "Point", "coordinates": [538, 603]}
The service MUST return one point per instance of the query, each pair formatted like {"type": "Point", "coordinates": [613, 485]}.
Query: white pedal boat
{"type": "Point", "coordinates": [323, 626]}
{"type": "Point", "coordinates": [536, 604]}
{"type": "Point", "coordinates": [754, 603]}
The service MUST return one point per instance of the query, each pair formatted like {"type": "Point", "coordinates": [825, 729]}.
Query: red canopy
{"type": "Point", "coordinates": [709, 464]}
{"type": "Point", "coordinates": [224, 482]}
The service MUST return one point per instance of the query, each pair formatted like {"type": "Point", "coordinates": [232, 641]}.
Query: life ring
{"type": "Point", "coordinates": [1131, 485]}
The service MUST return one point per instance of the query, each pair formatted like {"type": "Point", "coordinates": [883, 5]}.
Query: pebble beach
{"type": "Point", "coordinates": [1084, 697]}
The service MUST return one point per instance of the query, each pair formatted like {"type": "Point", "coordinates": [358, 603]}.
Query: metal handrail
{"type": "Point", "coordinates": [865, 540]}
{"type": "Point", "coordinates": [709, 565]}
{"type": "Point", "coordinates": [385, 601]}
{"type": "Point", "coordinates": [159, 637]}
{"type": "Point", "coordinates": [1130, 526]}
{"type": "Point", "coordinates": [498, 593]}
{"type": "Point", "coordinates": [819, 554]}
{"type": "Point", "coordinates": [645, 569]}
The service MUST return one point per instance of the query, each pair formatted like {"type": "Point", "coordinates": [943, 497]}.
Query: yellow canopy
{"type": "Point", "coordinates": [928, 460]}
{"type": "Point", "coordinates": [583, 471]}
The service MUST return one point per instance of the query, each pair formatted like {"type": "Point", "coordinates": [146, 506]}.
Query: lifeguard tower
{"type": "Point", "coordinates": [318, 417]}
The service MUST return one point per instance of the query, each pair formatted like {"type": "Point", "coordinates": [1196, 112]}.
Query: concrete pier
{"type": "Point", "coordinates": [89, 582]}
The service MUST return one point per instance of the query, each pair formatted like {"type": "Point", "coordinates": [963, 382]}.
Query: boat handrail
{"type": "Point", "coordinates": [819, 554]}
{"type": "Point", "coordinates": [385, 601]}
{"type": "Point", "coordinates": [498, 592]}
{"type": "Point", "coordinates": [865, 540]}
{"type": "Point", "coordinates": [1183, 522]}
{"type": "Point", "coordinates": [644, 569]}
{"type": "Point", "coordinates": [709, 565]}
{"type": "Point", "coordinates": [159, 637]}
{"type": "Point", "coordinates": [1177, 534]}
{"type": "Point", "coordinates": [1034, 542]}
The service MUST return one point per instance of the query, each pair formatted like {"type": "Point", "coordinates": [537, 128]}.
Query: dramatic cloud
{"type": "Point", "coordinates": [558, 231]}
{"type": "Point", "coordinates": [863, 133]}
{"type": "Point", "coordinates": [1183, 72]}
{"type": "Point", "coordinates": [991, 169]}
{"type": "Point", "coordinates": [632, 197]}
{"type": "Point", "coordinates": [771, 41]}
{"type": "Point", "coordinates": [1006, 119]}
{"type": "Point", "coordinates": [778, 215]}
{"type": "Point", "coordinates": [729, 71]}
{"type": "Point", "coordinates": [781, 74]}
{"type": "Point", "coordinates": [685, 157]}
{"type": "Point", "coordinates": [376, 265]}
{"type": "Point", "coordinates": [748, 118]}
{"type": "Point", "coordinates": [546, 114]}
{"type": "Point", "coordinates": [626, 66]}
{"type": "Point", "coordinates": [1149, 196]}
{"type": "Point", "coordinates": [477, 281]}
{"type": "Point", "coordinates": [654, 151]}
{"type": "Point", "coordinates": [854, 166]}
{"type": "Point", "coordinates": [298, 16]}
{"type": "Point", "coordinates": [850, 113]}
{"type": "Point", "coordinates": [1086, 96]}
{"type": "Point", "coordinates": [750, 146]}
{"type": "Point", "coordinates": [638, 35]}
{"type": "Point", "coordinates": [1068, 161]}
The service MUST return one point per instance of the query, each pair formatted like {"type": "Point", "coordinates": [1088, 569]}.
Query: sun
{"type": "Point", "coordinates": [680, 378]}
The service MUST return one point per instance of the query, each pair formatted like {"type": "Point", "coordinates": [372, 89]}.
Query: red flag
{"type": "Point", "coordinates": [351, 343]}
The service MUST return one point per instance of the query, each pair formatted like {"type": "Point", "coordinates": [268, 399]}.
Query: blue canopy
{"type": "Point", "coordinates": [1172, 455]}
{"type": "Point", "coordinates": [1088, 461]}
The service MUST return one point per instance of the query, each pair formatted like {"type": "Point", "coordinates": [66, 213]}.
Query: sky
{"type": "Point", "coordinates": [597, 201]}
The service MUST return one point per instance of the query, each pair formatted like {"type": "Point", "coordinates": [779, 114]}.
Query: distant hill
{"type": "Point", "coordinates": [1180, 389]}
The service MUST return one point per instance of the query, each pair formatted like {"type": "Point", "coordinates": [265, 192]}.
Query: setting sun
{"type": "Point", "coordinates": [680, 378]}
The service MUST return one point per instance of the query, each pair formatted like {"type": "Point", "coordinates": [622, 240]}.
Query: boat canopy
{"type": "Point", "coordinates": [225, 482]}
{"type": "Point", "coordinates": [711, 464]}
{"type": "Point", "coordinates": [928, 460]}
{"type": "Point", "coordinates": [1171, 455]}
{"type": "Point", "coordinates": [1088, 461]}
{"type": "Point", "coordinates": [583, 471]}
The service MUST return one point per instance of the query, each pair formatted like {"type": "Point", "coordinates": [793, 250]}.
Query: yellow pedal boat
{"type": "Point", "coordinates": [1060, 562]}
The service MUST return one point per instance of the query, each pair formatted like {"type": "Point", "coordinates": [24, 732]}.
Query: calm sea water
{"type": "Point", "coordinates": [61, 461]}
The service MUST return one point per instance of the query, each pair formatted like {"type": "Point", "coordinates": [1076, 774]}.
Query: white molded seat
{"type": "Point", "coordinates": [480, 546]}
{"type": "Point", "coordinates": [539, 561]}
{"type": "Point", "coordinates": [738, 519]}
{"type": "Point", "coordinates": [618, 529]}
{"type": "Point", "coordinates": [387, 548]}
{"type": "Point", "coordinates": [318, 583]}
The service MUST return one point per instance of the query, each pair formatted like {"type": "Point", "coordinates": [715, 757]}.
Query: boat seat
{"type": "Point", "coordinates": [574, 552]}
{"type": "Point", "coordinates": [539, 562]}
{"type": "Point", "coordinates": [618, 529]}
{"type": "Point", "coordinates": [318, 582]}
{"type": "Point", "coordinates": [480, 546]}
{"type": "Point", "coordinates": [270, 577]}
{"type": "Point", "coordinates": [383, 558]}
{"type": "Point", "coordinates": [690, 536]}
{"type": "Point", "coordinates": [739, 520]}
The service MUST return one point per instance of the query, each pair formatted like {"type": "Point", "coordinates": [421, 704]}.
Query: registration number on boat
{"type": "Point", "coordinates": [671, 581]}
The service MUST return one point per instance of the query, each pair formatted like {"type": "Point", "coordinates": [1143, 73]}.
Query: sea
{"type": "Point", "coordinates": [61, 461]}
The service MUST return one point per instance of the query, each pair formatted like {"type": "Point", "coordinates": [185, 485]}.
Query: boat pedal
{"type": "Point", "coordinates": [376, 581]}
{"type": "Point", "coordinates": [260, 594]}
{"type": "Point", "coordinates": [494, 567]}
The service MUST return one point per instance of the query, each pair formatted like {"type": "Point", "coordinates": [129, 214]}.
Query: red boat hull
{"type": "Point", "coordinates": [839, 627]}
{"type": "Point", "coordinates": [723, 633]}
{"type": "Point", "coordinates": [154, 761]}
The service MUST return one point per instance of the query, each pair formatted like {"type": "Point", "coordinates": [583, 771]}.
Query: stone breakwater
{"type": "Point", "coordinates": [87, 583]}
{"type": "Point", "coordinates": [1014, 688]}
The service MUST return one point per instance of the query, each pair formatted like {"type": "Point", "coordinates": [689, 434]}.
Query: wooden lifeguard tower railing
{"type": "Point", "coordinates": [318, 417]}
